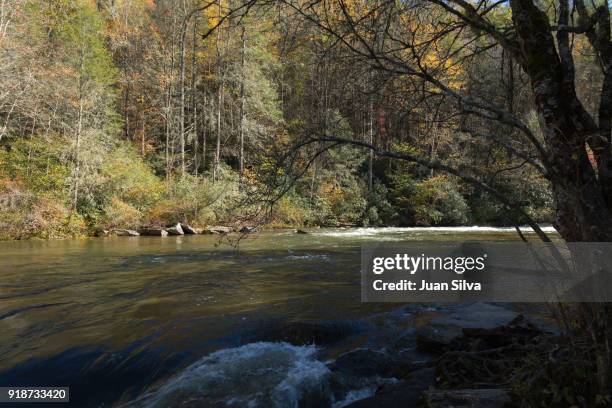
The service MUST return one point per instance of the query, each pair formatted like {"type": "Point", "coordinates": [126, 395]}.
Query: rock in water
{"type": "Point", "coordinates": [153, 232]}
{"type": "Point", "coordinates": [219, 230]}
{"type": "Point", "coordinates": [467, 398]}
{"type": "Point", "coordinates": [403, 394]}
{"type": "Point", "coordinates": [248, 230]}
{"type": "Point", "coordinates": [188, 230]}
{"type": "Point", "coordinates": [176, 230]}
{"type": "Point", "coordinates": [101, 233]}
{"type": "Point", "coordinates": [126, 233]}
{"type": "Point", "coordinates": [301, 231]}
{"type": "Point", "coordinates": [440, 333]}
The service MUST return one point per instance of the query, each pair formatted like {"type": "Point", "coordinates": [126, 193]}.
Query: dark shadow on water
{"type": "Point", "coordinates": [96, 378]}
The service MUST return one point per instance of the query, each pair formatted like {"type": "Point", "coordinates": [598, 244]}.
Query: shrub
{"type": "Point", "coordinates": [119, 214]}
{"type": "Point", "coordinates": [24, 215]}
{"type": "Point", "coordinates": [437, 201]}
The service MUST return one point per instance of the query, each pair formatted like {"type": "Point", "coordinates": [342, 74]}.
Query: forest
{"type": "Point", "coordinates": [121, 113]}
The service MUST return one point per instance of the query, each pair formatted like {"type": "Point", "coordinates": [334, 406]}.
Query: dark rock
{"type": "Point", "coordinates": [101, 233]}
{"type": "Point", "coordinates": [176, 230]}
{"type": "Point", "coordinates": [365, 363]}
{"type": "Point", "coordinates": [301, 231]}
{"type": "Point", "coordinates": [404, 394]}
{"type": "Point", "coordinates": [467, 398]}
{"type": "Point", "coordinates": [153, 232]}
{"type": "Point", "coordinates": [407, 339]}
{"type": "Point", "coordinates": [248, 230]}
{"type": "Point", "coordinates": [188, 230]}
{"type": "Point", "coordinates": [413, 359]}
{"type": "Point", "coordinates": [126, 233]}
{"type": "Point", "coordinates": [440, 333]}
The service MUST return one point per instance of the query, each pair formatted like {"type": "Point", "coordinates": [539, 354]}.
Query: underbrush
{"type": "Point", "coordinates": [119, 189]}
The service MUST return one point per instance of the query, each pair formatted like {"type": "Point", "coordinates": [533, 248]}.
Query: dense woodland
{"type": "Point", "coordinates": [120, 113]}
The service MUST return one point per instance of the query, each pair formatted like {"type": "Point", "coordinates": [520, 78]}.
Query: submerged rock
{"type": "Point", "coordinates": [188, 230]}
{"type": "Point", "coordinates": [466, 398]}
{"type": "Point", "coordinates": [176, 230]}
{"type": "Point", "coordinates": [440, 333]}
{"type": "Point", "coordinates": [153, 232]}
{"type": "Point", "coordinates": [126, 233]}
{"type": "Point", "coordinates": [318, 333]}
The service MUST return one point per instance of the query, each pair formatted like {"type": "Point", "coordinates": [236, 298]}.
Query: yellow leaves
{"type": "Point", "coordinates": [331, 193]}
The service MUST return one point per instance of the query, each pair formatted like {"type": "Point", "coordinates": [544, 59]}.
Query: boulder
{"type": "Point", "coordinates": [467, 398]}
{"type": "Point", "coordinates": [176, 230]}
{"type": "Point", "coordinates": [153, 232]}
{"type": "Point", "coordinates": [248, 230]}
{"type": "Point", "coordinates": [440, 333]}
{"type": "Point", "coordinates": [126, 233]}
{"type": "Point", "coordinates": [188, 230]}
{"type": "Point", "coordinates": [301, 231]}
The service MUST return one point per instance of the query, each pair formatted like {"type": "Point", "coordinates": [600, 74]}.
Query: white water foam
{"type": "Point", "coordinates": [369, 232]}
{"type": "Point", "coordinates": [254, 375]}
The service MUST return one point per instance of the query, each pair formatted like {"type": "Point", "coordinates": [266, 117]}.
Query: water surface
{"type": "Point", "coordinates": [116, 318]}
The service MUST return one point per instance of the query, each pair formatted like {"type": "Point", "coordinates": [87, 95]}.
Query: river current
{"type": "Point", "coordinates": [195, 320]}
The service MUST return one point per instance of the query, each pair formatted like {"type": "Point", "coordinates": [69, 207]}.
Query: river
{"type": "Point", "coordinates": [149, 321]}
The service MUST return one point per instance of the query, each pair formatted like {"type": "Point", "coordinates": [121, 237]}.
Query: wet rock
{"type": "Point", "coordinates": [413, 359]}
{"type": "Point", "coordinates": [176, 230]}
{"type": "Point", "coordinates": [126, 233]}
{"type": "Point", "coordinates": [188, 230]}
{"type": "Point", "coordinates": [466, 398]}
{"type": "Point", "coordinates": [403, 394]}
{"type": "Point", "coordinates": [440, 333]}
{"type": "Point", "coordinates": [301, 231]}
{"type": "Point", "coordinates": [101, 233]}
{"type": "Point", "coordinates": [248, 230]}
{"type": "Point", "coordinates": [153, 232]}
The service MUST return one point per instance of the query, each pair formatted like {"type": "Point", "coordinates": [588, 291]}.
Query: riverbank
{"type": "Point", "coordinates": [177, 229]}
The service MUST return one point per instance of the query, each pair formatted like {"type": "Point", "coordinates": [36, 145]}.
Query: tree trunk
{"type": "Point", "coordinates": [581, 210]}
{"type": "Point", "coordinates": [182, 89]}
{"type": "Point", "coordinates": [242, 100]}
{"type": "Point", "coordinates": [194, 109]}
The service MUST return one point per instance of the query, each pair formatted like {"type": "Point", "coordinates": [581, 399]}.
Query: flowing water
{"type": "Point", "coordinates": [150, 321]}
